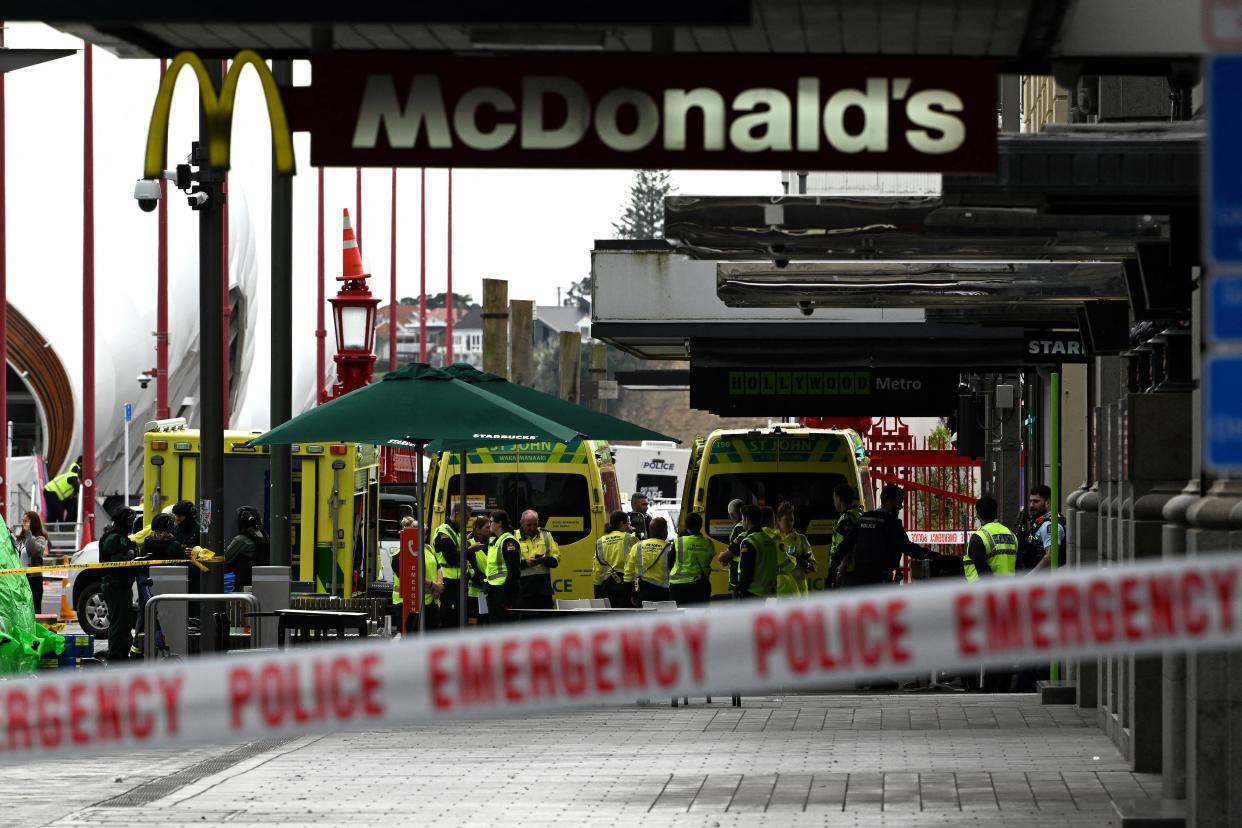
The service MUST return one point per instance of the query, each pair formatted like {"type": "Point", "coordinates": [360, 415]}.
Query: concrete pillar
{"type": "Point", "coordinates": [1156, 468]}
{"type": "Point", "coordinates": [1108, 392]}
{"type": "Point", "coordinates": [522, 342]}
{"type": "Point", "coordinates": [1087, 674]}
{"type": "Point", "coordinates": [1214, 679]}
{"type": "Point", "coordinates": [172, 580]}
{"type": "Point", "coordinates": [496, 327]}
{"type": "Point", "coordinates": [1173, 664]}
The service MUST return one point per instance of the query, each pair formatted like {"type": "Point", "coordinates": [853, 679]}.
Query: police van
{"type": "Point", "coordinates": [656, 468]}
{"type": "Point", "coordinates": [767, 467]}
{"type": "Point", "coordinates": [573, 487]}
{"type": "Point", "coordinates": [334, 504]}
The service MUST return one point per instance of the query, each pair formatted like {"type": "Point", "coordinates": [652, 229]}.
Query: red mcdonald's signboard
{"type": "Point", "coordinates": [649, 111]}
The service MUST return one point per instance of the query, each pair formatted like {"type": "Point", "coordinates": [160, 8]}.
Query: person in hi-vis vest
{"type": "Point", "coordinates": [540, 555]}
{"type": "Point", "coordinates": [648, 564]}
{"type": "Point", "coordinates": [993, 548]}
{"type": "Point", "coordinates": [691, 564]}
{"type": "Point", "coordinates": [608, 566]}
{"type": "Point", "coordinates": [60, 495]}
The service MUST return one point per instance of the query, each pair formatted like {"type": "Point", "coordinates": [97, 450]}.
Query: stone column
{"type": "Point", "coordinates": [1157, 466]}
{"type": "Point", "coordinates": [1214, 679]}
{"type": "Point", "coordinates": [1173, 670]}
{"type": "Point", "coordinates": [1086, 546]}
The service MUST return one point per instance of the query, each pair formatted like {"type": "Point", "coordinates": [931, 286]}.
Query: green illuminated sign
{"type": "Point", "coordinates": [799, 383]}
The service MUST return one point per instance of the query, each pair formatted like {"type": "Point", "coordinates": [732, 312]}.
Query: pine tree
{"type": "Point", "coordinates": [643, 217]}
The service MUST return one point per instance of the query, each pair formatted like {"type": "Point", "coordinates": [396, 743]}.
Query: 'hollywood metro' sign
{"type": "Point", "coordinates": [633, 111]}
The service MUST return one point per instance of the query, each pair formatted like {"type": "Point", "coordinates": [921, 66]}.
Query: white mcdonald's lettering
{"type": "Point", "coordinates": [761, 119]}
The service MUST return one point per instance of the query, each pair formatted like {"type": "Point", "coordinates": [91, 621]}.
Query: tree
{"type": "Point", "coordinates": [579, 295]}
{"type": "Point", "coordinates": [643, 216]}
{"type": "Point", "coordinates": [460, 300]}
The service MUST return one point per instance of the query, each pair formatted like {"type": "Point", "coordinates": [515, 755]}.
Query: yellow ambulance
{"type": "Point", "coordinates": [572, 486]}
{"type": "Point", "coordinates": [334, 504]}
{"type": "Point", "coordinates": [767, 467]}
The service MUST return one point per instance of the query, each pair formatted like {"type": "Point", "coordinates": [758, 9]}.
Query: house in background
{"type": "Point", "coordinates": [552, 320]}
{"type": "Point", "coordinates": [437, 325]}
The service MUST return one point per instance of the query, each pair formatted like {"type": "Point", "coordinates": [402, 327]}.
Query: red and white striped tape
{"type": "Point", "coordinates": [828, 639]}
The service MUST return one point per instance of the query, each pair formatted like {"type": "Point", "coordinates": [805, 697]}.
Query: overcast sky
{"type": "Point", "coordinates": [533, 227]}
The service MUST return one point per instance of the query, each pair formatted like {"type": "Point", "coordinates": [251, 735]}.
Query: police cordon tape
{"type": "Point", "coordinates": [31, 570]}
{"type": "Point", "coordinates": [817, 642]}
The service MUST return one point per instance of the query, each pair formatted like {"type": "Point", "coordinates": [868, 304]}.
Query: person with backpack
{"type": "Point", "coordinates": [32, 544]}
{"type": "Point", "coordinates": [249, 548]}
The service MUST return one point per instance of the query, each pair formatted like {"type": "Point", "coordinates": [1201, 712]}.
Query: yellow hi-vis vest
{"type": "Point", "coordinates": [768, 554]}
{"type": "Point", "coordinates": [611, 554]}
{"type": "Point", "coordinates": [790, 579]}
{"type": "Point", "coordinates": [692, 559]}
{"type": "Point", "coordinates": [429, 575]}
{"type": "Point", "coordinates": [61, 485]}
{"type": "Point", "coordinates": [449, 530]}
{"type": "Point", "coordinates": [497, 572]}
{"type": "Point", "coordinates": [1002, 550]}
{"type": "Point", "coordinates": [479, 565]}
{"type": "Point", "coordinates": [540, 544]}
{"type": "Point", "coordinates": [649, 563]}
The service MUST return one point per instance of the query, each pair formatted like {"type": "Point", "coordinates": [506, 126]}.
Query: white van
{"type": "Point", "coordinates": [657, 468]}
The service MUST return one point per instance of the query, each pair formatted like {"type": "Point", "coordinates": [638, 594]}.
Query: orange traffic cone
{"type": "Point", "coordinates": [351, 256]}
{"type": "Point", "coordinates": [66, 609]}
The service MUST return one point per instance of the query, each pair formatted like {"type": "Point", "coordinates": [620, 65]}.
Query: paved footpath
{"type": "Point", "coordinates": [847, 760]}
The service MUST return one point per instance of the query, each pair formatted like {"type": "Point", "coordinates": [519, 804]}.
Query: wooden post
{"type": "Point", "coordinates": [522, 341]}
{"type": "Point", "coordinates": [496, 327]}
{"type": "Point", "coordinates": [571, 352]}
{"type": "Point", "coordinates": [599, 371]}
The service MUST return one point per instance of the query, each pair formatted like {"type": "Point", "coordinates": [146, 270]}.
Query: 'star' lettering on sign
{"type": "Point", "coordinates": [682, 112]}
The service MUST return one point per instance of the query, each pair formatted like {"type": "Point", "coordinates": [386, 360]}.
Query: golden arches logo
{"type": "Point", "coordinates": [218, 113]}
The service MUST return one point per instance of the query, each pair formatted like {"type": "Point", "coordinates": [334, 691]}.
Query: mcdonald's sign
{"type": "Point", "coordinates": [218, 113]}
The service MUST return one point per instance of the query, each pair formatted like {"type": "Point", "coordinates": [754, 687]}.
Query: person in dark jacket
{"type": "Point", "coordinates": [185, 513]}
{"type": "Point", "coordinates": [118, 584]}
{"type": "Point", "coordinates": [162, 545]}
{"type": "Point", "coordinates": [872, 550]}
{"type": "Point", "coordinates": [249, 548]}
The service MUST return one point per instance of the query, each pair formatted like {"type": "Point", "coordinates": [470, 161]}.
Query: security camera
{"type": "Point", "coordinates": [147, 192]}
{"type": "Point", "coordinates": [144, 380]}
{"type": "Point", "coordinates": [806, 306]}
{"type": "Point", "coordinates": [198, 200]}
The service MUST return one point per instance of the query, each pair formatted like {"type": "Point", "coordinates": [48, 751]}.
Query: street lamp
{"type": "Point", "coordinates": [353, 313]}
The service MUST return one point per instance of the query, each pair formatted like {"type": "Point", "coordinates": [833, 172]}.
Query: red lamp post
{"type": "Point", "coordinates": [353, 316]}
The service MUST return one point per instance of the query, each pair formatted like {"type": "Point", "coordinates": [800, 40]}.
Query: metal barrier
{"type": "Point", "coordinates": [376, 608]}
{"type": "Point", "coordinates": [148, 644]}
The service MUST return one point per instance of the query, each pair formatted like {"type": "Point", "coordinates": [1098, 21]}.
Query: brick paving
{"type": "Point", "coordinates": [886, 761]}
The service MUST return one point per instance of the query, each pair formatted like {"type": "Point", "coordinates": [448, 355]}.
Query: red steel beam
{"type": "Point", "coordinates": [920, 487]}
{"type": "Point", "coordinates": [919, 458]}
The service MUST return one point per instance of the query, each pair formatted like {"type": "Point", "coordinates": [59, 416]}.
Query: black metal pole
{"type": "Point", "coordinates": [465, 524]}
{"type": "Point", "coordinates": [211, 381]}
{"type": "Point", "coordinates": [281, 469]}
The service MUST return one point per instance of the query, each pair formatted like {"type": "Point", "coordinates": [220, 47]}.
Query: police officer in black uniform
{"type": "Point", "coordinates": [872, 550]}
{"type": "Point", "coordinates": [116, 547]}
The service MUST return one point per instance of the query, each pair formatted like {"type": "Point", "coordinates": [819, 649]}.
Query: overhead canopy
{"type": "Point", "coordinates": [1024, 37]}
{"type": "Point", "coordinates": [1016, 293]}
{"type": "Point", "coordinates": [590, 424]}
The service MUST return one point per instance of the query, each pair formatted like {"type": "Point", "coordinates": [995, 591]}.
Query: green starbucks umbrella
{"type": "Point", "coordinates": [423, 408]}
{"type": "Point", "coordinates": [418, 404]}
{"type": "Point", "coordinates": [580, 419]}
